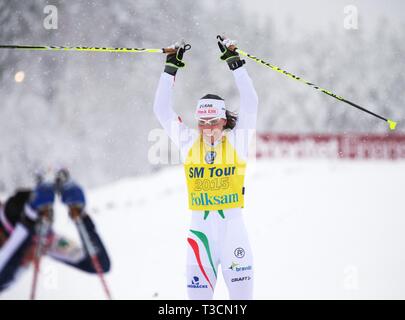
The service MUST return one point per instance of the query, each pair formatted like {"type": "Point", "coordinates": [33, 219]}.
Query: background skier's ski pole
{"type": "Point", "coordinates": [41, 237]}
{"type": "Point", "coordinates": [78, 48]}
{"type": "Point", "coordinates": [89, 247]}
{"type": "Point", "coordinates": [392, 124]}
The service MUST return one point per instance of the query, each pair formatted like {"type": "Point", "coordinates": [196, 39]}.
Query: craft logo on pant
{"type": "Point", "coordinates": [241, 279]}
{"type": "Point", "coordinates": [195, 284]}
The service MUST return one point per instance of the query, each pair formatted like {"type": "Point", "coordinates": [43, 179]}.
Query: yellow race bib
{"type": "Point", "coordinates": [215, 176]}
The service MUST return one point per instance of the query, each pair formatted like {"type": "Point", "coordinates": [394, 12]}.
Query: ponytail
{"type": "Point", "coordinates": [231, 120]}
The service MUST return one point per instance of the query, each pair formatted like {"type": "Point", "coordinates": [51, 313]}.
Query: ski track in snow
{"type": "Point", "coordinates": [318, 228]}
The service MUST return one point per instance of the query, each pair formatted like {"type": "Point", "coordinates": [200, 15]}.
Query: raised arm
{"type": "Point", "coordinates": [163, 107]}
{"type": "Point", "coordinates": [248, 100]}
{"type": "Point", "coordinates": [178, 132]}
{"type": "Point", "coordinates": [247, 116]}
{"type": "Point", "coordinates": [248, 96]}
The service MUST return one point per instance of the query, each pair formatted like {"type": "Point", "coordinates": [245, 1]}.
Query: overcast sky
{"type": "Point", "coordinates": [316, 13]}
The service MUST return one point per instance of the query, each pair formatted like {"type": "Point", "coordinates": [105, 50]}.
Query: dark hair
{"type": "Point", "coordinates": [14, 206]}
{"type": "Point", "coordinates": [212, 96]}
{"type": "Point", "coordinates": [231, 117]}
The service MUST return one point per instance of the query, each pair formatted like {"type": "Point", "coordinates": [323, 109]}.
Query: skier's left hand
{"type": "Point", "coordinates": [73, 195]}
{"type": "Point", "coordinates": [229, 53]}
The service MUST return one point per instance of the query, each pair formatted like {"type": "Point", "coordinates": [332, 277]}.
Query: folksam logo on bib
{"type": "Point", "coordinates": [204, 199]}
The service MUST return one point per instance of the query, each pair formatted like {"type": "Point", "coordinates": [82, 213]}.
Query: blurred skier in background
{"type": "Point", "coordinates": [214, 159]}
{"type": "Point", "coordinates": [19, 221]}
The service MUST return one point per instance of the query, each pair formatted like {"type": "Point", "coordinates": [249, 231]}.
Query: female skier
{"type": "Point", "coordinates": [19, 220]}
{"type": "Point", "coordinates": [214, 161]}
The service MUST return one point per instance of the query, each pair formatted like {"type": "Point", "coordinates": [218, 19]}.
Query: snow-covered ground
{"type": "Point", "coordinates": [319, 229]}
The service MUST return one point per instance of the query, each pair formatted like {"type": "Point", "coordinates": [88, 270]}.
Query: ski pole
{"type": "Point", "coordinates": [42, 232]}
{"type": "Point", "coordinates": [392, 124]}
{"type": "Point", "coordinates": [91, 250]}
{"type": "Point", "coordinates": [93, 49]}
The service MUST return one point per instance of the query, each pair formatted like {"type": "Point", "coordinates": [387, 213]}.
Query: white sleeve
{"type": "Point", "coordinates": [248, 100]}
{"type": "Point", "coordinates": [13, 243]}
{"type": "Point", "coordinates": [181, 135]}
{"type": "Point", "coordinates": [245, 127]}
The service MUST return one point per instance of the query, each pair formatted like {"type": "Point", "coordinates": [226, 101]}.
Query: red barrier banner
{"type": "Point", "coordinates": [343, 146]}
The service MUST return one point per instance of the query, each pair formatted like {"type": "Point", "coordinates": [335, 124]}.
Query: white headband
{"type": "Point", "coordinates": [210, 108]}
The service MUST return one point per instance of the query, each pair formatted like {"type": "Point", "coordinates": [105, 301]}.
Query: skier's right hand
{"type": "Point", "coordinates": [40, 204]}
{"type": "Point", "coordinates": [42, 197]}
{"type": "Point", "coordinates": [174, 57]}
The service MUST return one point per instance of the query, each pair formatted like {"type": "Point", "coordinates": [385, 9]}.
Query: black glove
{"type": "Point", "coordinates": [230, 56]}
{"type": "Point", "coordinates": [174, 60]}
